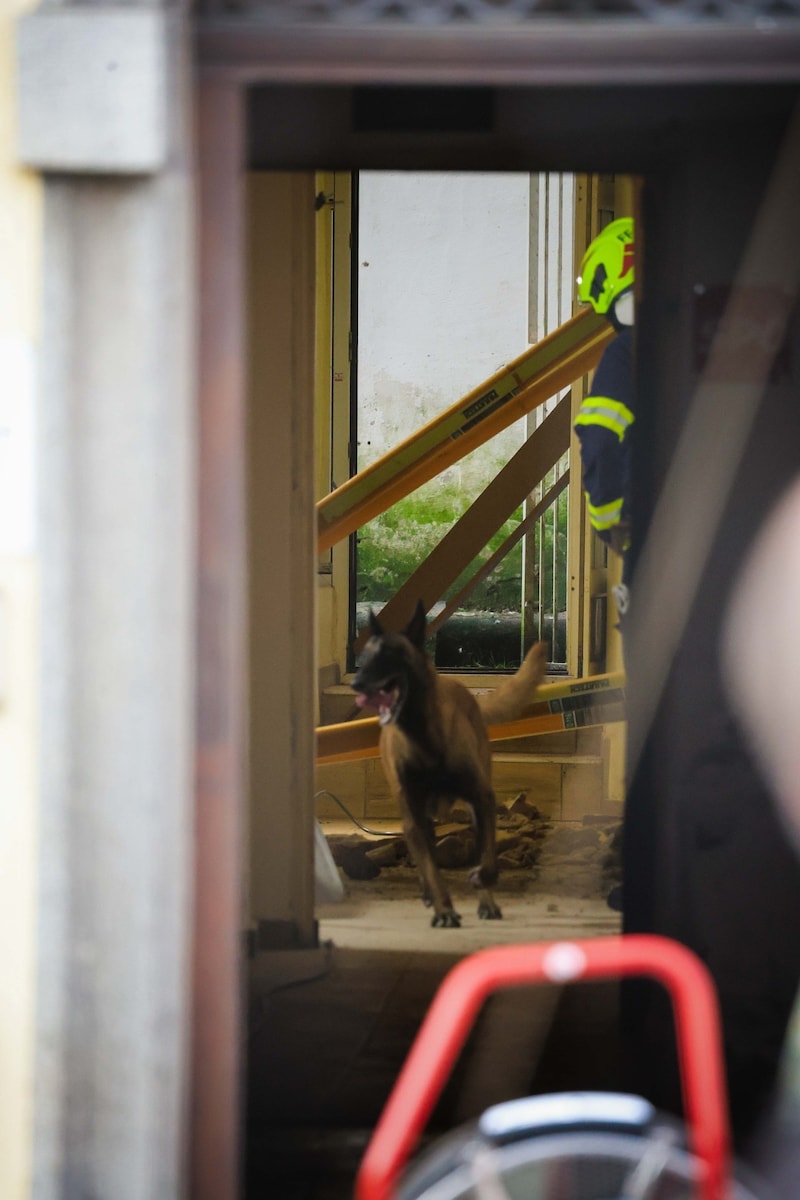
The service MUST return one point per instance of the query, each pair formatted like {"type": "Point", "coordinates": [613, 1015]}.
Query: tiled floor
{"type": "Point", "coordinates": [330, 1029]}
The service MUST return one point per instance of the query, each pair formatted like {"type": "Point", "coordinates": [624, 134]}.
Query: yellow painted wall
{"type": "Point", "coordinates": [282, 549]}
{"type": "Point", "coordinates": [332, 401]}
{"type": "Point", "coordinates": [20, 244]}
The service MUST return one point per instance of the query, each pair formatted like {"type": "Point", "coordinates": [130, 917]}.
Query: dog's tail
{"type": "Point", "coordinates": [515, 692]}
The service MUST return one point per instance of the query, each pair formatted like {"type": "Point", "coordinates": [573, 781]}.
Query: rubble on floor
{"type": "Point", "coordinates": [570, 857]}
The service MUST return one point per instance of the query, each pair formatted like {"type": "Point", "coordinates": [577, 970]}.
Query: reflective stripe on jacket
{"type": "Point", "coordinates": [602, 426]}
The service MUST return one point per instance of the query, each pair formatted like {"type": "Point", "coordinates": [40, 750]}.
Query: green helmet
{"type": "Point", "coordinates": [607, 266]}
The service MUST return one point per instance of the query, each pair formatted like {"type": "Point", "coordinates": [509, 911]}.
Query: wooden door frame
{"type": "Point", "coordinates": [228, 59]}
{"type": "Point", "coordinates": [215, 1102]}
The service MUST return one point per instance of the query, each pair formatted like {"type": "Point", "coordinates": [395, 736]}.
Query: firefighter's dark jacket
{"type": "Point", "coordinates": [603, 427]}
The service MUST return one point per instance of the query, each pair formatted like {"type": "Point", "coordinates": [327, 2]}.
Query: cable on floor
{"type": "Point", "coordinates": [373, 832]}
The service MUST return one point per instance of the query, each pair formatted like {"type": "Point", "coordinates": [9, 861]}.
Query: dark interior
{"type": "Point", "coordinates": [706, 859]}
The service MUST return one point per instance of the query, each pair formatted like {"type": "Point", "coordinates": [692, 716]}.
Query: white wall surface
{"type": "Point", "coordinates": [20, 243]}
{"type": "Point", "coordinates": [443, 299]}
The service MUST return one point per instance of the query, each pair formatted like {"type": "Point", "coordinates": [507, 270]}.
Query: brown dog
{"type": "Point", "coordinates": [435, 748]}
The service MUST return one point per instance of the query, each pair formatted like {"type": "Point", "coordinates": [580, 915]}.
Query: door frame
{"type": "Point", "coordinates": [230, 56]}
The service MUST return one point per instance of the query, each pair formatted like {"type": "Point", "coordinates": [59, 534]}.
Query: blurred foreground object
{"type": "Point", "coordinates": [762, 690]}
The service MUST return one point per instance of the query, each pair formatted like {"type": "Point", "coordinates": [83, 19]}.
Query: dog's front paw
{"type": "Point", "coordinates": [489, 912]}
{"type": "Point", "coordinates": [449, 919]}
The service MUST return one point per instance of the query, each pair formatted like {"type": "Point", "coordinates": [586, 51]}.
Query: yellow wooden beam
{"type": "Point", "coordinates": [568, 704]}
{"type": "Point", "coordinates": [483, 518]}
{"type": "Point", "coordinates": [538, 374]}
{"type": "Point", "coordinates": [502, 550]}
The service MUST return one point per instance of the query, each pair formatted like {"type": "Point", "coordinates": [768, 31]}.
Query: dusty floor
{"type": "Point", "coordinates": [330, 1028]}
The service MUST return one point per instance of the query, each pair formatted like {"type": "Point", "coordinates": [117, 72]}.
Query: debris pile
{"type": "Point", "coordinates": [574, 857]}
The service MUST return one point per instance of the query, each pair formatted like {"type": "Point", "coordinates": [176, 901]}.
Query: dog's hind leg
{"type": "Point", "coordinates": [485, 875]}
{"type": "Point", "coordinates": [430, 838]}
{"type": "Point", "coordinates": [419, 839]}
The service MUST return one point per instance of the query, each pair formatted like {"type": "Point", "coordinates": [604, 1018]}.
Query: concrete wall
{"type": "Point", "coordinates": [115, 456]}
{"type": "Point", "coordinates": [443, 301]}
{"type": "Point", "coordinates": [20, 246]}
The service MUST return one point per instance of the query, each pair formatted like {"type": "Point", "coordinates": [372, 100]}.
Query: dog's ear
{"type": "Point", "coordinates": [415, 629]}
{"type": "Point", "coordinates": [375, 627]}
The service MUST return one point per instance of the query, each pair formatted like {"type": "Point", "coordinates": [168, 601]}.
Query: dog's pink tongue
{"type": "Point", "coordinates": [374, 700]}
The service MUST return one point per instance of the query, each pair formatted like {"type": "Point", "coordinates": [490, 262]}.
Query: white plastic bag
{"type": "Point", "coordinates": [328, 882]}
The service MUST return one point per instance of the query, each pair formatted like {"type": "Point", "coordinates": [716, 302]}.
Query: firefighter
{"type": "Point", "coordinates": [604, 420]}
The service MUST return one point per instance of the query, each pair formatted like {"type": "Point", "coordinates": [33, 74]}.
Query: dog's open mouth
{"type": "Point", "coordinates": [385, 699]}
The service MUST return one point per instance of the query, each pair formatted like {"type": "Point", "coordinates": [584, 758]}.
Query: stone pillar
{"type": "Point", "coordinates": [103, 100]}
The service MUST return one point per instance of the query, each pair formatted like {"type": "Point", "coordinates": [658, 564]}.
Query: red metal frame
{"type": "Point", "coordinates": [464, 990]}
